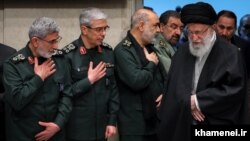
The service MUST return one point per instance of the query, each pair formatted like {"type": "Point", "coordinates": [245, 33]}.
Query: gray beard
{"type": "Point", "coordinates": [201, 49]}
{"type": "Point", "coordinates": [44, 53]}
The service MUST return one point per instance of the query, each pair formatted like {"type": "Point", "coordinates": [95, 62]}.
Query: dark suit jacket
{"type": "Point", "coordinates": [244, 48]}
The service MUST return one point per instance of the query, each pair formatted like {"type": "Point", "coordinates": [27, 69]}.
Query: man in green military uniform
{"type": "Point", "coordinates": [139, 79]}
{"type": "Point", "coordinates": [171, 28]}
{"type": "Point", "coordinates": [37, 83]}
{"type": "Point", "coordinates": [95, 102]}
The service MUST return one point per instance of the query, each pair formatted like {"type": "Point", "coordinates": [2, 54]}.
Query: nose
{"type": "Point", "coordinates": [193, 37]}
{"type": "Point", "coordinates": [103, 32]}
{"type": "Point", "coordinates": [224, 32]}
{"type": "Point", "coordinates": [55, 46]}
{"type": "Point", "coordinates": [157, 29]}
{"type": "Point", "coordinates": [178, 31]}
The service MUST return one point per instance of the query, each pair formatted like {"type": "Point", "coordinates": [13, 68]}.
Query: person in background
{"type": "Point", "coordinates": [206, 82]}
{"type": "Point", "coordinates": [37, 87]}
{"type": "Point", "coordinates": [244, 27]}
{"type": "Point", "coordinates": [166, 41]}
{"type": "Point", "coordinates": [5, 52]}
{"type": "Point", "coordinates": [225, 26]}
{"type": "Point", "coordinates": [139, 79]}
{"type": "Point", "coordinates": [95, 94]}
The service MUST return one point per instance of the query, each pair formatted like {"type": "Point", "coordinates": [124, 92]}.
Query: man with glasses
{"type": "Point", "coordinates": [95, 94]}
{"type": "Point", "coordinates": [166, 41]}
{"type": "Point", "coordinates": [37, 83]}
{"type": "Point", "coordinates": [206, 82]}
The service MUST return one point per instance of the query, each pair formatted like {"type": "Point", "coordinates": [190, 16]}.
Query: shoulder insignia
{"type": "Point", "coordinates": [106, 45]}
{"type": "Point", "coordinates": [127, 43]}
{"type": "Point", "coordinates": [18, 58]}
{"type": "Point", "coordinates": [58, 52]}
{"type": "Point", "coordinates": [161, 43]}
{"type": "Point", "coordinates": [69, 48]}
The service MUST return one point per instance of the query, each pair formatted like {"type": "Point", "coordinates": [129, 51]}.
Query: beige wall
{"type": "Point", "coordinates": [16, 16]}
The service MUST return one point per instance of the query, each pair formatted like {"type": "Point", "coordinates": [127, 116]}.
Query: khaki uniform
{"type": "Point", "coordinates": [164, 51]}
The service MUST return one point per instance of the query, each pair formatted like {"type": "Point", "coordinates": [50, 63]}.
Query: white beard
{"type": "Point", "coordinates": [148, 36]}
{"type": "Point", "coordinates": [44, 53]}
{"type": "Point", "coordinates": [199, 50]}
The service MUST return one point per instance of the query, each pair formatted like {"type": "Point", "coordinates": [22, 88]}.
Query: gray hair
{"type": "Point", "coordinates": [90, 14]}
{"type": "Point", "coordinates": [140, 15]}
{"type": "Point", "coordinates": [43, 26]}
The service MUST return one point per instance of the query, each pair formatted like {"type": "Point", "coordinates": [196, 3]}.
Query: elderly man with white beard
{"type": "Point", "coordinates": [206, 82]}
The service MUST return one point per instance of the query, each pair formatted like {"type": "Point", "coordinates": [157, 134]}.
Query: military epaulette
{"type": "Point", "coordinates": [106, 45]}
{"type": "Point", "coordinates": [69, 48]}
{"type": "Point", "coordinates": [127, 43]}
{"type": "Point", "coordinates": [18, 58]}
{"type": "Point", "coordinates": [161, 43]}
{"type": "Point", "coordinates": [58, 52]}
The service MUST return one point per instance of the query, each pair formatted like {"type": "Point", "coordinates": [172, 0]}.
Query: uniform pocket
{"type": "Point", "coordinates": [79, 73]}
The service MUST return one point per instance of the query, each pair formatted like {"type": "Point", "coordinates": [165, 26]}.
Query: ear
{"type": "Point", "coordinates": [34, 41]}
{"type": "Point", "coordinates": [214, 26]}
{"type": "Point", "coordinates": [83, 29]}
{"type": "Point", "coordinates": [141, 25]}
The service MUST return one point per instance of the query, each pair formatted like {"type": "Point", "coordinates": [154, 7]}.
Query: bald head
{"type": "Point", "coordinates": [142, 15]}
{"type": "Point", "coordinates": [144, 26]}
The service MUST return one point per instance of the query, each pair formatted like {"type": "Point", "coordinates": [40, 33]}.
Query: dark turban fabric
{"type": "Point", "coordinates": [199, 12]}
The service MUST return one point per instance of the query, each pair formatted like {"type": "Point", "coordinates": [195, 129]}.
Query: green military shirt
{"type": "Point", "coordinates": [136, 78]}
{"type": "Point", "coordinates": [164, 51]}
{"type": "Point", "coordinates": [30, 100]}
{"type": "Point", "coordinates": [94, 106]}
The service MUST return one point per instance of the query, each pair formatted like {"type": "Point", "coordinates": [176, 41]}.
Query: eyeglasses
{"type": "Point", "coordinates": [197, 33]}
{"type": "Point", "coordinates": [99, 29]}
{"type": "Point", "coordinates": [175, 27]}
{"type": "Point", "coordinates": [55, 41]}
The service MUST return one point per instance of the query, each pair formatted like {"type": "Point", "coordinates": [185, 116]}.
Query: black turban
{"type": "Point", "coordinates": [199, 12]}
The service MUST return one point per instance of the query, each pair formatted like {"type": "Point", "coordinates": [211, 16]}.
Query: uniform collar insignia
{"type": "Point", "coordinates": [127, 43]}
{"type": "Point", "coordinates": [31, 60]}
{"type": "Point", "coordinates": [83, 50]}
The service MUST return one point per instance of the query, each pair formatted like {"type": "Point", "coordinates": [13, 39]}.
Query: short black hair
{"type": "Point", "coordinates": [229, 14]}
{"type": "Point", "coordinates": [167, 14]}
